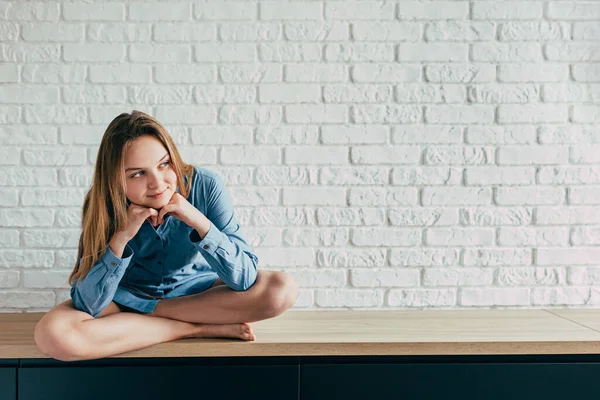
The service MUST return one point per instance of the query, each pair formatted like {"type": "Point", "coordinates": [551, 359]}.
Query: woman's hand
{"type": "Point", "coordinates": [181, 209]}
{"type": "Point", "coordinates": [136, 216]}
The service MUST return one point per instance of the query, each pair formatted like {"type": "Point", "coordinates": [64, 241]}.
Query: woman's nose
{"type": "Point", "coordinates": [154, 180]}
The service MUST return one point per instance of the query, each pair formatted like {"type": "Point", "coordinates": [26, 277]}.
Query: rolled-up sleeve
{"type": "Point", "coordinates": [96, 290]}
{"type": "Point", "coordinates": [224, 247]}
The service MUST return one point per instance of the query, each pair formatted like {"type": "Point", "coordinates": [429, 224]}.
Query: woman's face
{"type": "Point", "coordinates": [148, 171]}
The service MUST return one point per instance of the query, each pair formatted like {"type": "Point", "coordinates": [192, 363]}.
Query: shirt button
{"type": "Point", "coordinates": [158, 237]}
{"type": "Point", "coordinates": [206, 246]}
{"type": "Point", "coordinates": [160, 262]}
{"type": "Point", "coordinates": [114, 263]}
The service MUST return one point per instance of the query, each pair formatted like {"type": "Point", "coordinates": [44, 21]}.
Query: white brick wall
{"type": "Point", "coordinates": [387, 154]}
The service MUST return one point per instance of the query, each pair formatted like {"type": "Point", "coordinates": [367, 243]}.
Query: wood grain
{"type": "Point", "coordinates": [372, 332]}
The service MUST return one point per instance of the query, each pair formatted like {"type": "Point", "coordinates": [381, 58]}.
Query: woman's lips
{"type": "Point", "coordinates": [158, 195]}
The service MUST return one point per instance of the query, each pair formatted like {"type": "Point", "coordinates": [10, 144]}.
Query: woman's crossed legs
{"type": "Point", "coordinates": [272, 294]}
{"type": "Point", "coordinates": [68, 334]}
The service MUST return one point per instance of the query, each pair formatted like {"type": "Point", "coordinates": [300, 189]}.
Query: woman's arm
{"type": "Point", "coordinates": [97, 289]}
{"type": "Point", "coordinates": [217, 236]}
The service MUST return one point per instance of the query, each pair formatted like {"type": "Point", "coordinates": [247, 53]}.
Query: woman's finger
{"type": "Point", "coordinates": [163, 211]}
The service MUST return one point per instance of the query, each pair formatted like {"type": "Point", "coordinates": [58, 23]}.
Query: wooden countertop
{"type": "Point", "coordinates": [377, 332]}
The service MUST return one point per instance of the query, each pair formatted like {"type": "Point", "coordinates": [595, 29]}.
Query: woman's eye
{"type": "Point", "coordinates": [136, 174]}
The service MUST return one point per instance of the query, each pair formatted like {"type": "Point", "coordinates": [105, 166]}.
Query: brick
{"type": "Point", "coordinates": [496, 216]}
{"type": "Point", "coordinates": [506, 134]}
{"type": "Point", "coordinates": [495, 297]}
{"type": "Point", "coordinates": [185, 32]}
{"type": "Point", "coordinates": [567, 215]}
{"type": "Point", "coordinates": [391, 73]}
{"type": "Point", "coordinates": [290, 52]}
{"type": "Point", "coordinates": [111, 32]}
{"type": "Point", "coordinates": [424, 257]}
{"type": "Point", "coordinates": [419, 93]}
{"type": "Point", "coordinates": [433, 10]}
{"type": "Point", "coordinates": [409, 176]}
{"type": "Point", "coordinates": [354, 10]}
{"type": "Point", "coordinates": [523, 113]}
{"type": "Point", "coordinates": [93, 11]}
{"type": "Point", "coordinates": [152, 11]}
{"type": "Point", "coordinates": [312, 196]}
{"type": "Point", "coordinates": [446, 52]}
{"type": "Point", "coordinates": [274, 10]}
{"type": "Point", "coordinates": [351, 258]}
{"type": "Point", "coordinates": [564, 51]}
{"type": "Point", "coordinates": [583, 195]}
{"type": "Point", "coordinates": [507, 10]}
{"type": "Point", "coordinates": [561, 296]}
{"type": "Point", "coordinates": [568, 134]}
{"type": "Point", "coordinates": [529, 195]}
{"type": "Point", "coordinates": [506, 52]}
{"type": "Point", "coordinates": [458, 277]}
{"type": "Point", "coordinates": [355, 94]}
{"type": "Point", "coordinates": [577, 10]}
{"type": "Point", "coordinates": [499, 176]}
{"type": "Point", "coordinates": [458, 236]}
{"type": "Point", "coordinates": [287, 135]}
{"type": "Point", "coordinates": [458, 31]}
{"type": "Point", "coordinates": [321, 31]}
{"type": "Point", "coordinates": [422, 298]}
{"type": "Point", "coordinates": [367, 216]}
{"type": "Point", "coordinates": [225, 10]}
{"type": "Point", "coordinates": [52, 32]}
{"type": "Point", "coordinates": [386, 31]}
{"type": "Point", "coordinates": [522, 276]}
{"type": "Point", "coordinates": [497, 256]}
{"type": "Point", "coordinates": [533, 155]}
{"type": "Point", "coordinates": [454, 155]}
{"type": "Point", "coordinates": [459, 114]}
{"type": "Point", "coordinates": [289, 93]}
{"type": "Point", "coordinates": [385, 237]}
{"type": "Point", "coordinates": [460, 73]}
{"type": "Point", "coordinates": [249, 32]}
{"type": "Point", "coordinates": [348, 298]}
{"type": "Point", "coordinates": [495, 94]}
{"type": "Point", "coordinates": [539, 31]}
{"type": "Point", "coordinates": [385, 155]}
{"type": "Point", "coordinates": [539, 236]}
{"type": "Point", "coordinates": [385, 278]}
{"type": "Point", "coordinates": [533, 72]}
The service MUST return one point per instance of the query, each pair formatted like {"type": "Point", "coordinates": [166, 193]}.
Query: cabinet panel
{"type": "Point", "coordinates": [8, 383]}
{"type": "Point", "coordinates": [159, 382]}
{"type": "Point", "coordinates": [490, 381]}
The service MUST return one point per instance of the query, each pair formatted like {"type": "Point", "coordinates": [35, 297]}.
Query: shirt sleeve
{"type": "Point", "coordinates": [223, 247]}
{"type": "Point", "coordinates": [97, 289]}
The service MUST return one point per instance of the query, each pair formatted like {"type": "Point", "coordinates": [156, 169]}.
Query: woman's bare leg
{"type": "Point", "coordinates": [68, 334]}
{"type": "Point", "coordinates": [272, 293]}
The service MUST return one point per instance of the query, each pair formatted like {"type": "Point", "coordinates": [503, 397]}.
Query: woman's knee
{"type": "Point", "coordinates": [57, 334]}
{"type": "Point", "coordinates": [281, 292]}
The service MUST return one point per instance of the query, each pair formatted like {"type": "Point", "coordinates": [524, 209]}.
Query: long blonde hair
{"type": "Point", "coordinates": [105, 205]}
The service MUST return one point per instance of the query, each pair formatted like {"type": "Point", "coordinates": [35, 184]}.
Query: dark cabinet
{"type": "Point", "coordinates": [504, 377]}
{"type": "Point", "coordinates": [221, 382]}
{"type": "Point", "coordinates": [490, 381]}
{"type": "Point", "coordinates": [8, 384]}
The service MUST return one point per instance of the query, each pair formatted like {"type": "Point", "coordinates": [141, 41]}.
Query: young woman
{"type": "Point", "coordinates": [160, 256]}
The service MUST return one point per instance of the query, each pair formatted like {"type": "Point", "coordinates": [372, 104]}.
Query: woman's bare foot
{"type": "Point", "coordinates": [237, 331]}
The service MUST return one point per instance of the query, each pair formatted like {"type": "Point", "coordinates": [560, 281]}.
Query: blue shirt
{"type": "Point", "coordinates": [157, 260]}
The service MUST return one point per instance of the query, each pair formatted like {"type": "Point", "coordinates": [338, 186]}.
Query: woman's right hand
{"type": "Point", "coordinates": [136, 216]}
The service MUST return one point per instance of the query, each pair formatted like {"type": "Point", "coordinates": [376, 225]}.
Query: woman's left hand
{"type": "Point", "coordinates": [181, 209]}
